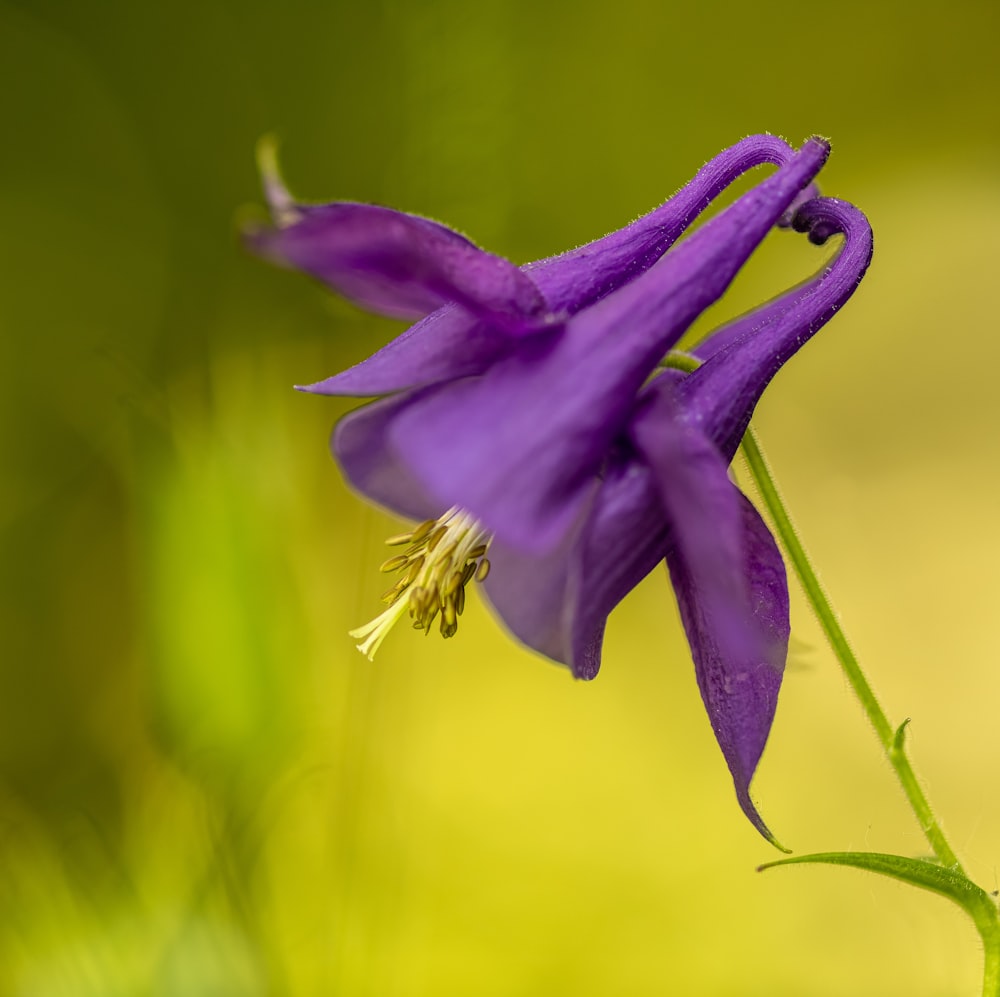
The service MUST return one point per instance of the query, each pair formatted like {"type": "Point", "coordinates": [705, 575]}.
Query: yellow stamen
{"type": "Point", "coordinates": [394, 562]}
{"type": "Point", "coordinates": [422, 530]}
{"type": "Point", "coordinates": [391, 595]}
{"type": "Point", "coordinates": [441, 557]}
{"type": "Point", "coordinates": [399, 539]}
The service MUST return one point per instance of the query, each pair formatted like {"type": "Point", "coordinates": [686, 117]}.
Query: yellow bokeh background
{"type": "Point", "coordinates": [204, 788]}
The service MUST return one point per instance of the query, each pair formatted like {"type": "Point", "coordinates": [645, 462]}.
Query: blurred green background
{"type": "Point", "coordinates": [205, 789]}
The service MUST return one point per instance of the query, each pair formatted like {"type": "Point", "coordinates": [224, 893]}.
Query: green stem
{"type": "Point", "coordinates": [890, 738]}
{"type": "Point", "coordinates": [987, 919]}
{"type": "Point", "coordinates": [989, 931]}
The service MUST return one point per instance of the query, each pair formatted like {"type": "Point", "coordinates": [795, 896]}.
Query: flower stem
{"type": "Point", "coordinates": [892, 739]}
{"type": "Point", "coordinates": [989, 931]}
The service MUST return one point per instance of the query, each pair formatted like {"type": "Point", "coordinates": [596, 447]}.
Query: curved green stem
{"type": "Point", "coordinates": [890, 738]}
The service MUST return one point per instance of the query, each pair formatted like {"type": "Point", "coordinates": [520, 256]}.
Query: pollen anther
{"type": "Point", "coordinates": [440, 558]}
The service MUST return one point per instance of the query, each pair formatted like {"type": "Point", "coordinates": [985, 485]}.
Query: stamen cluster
{"type": "Point", "coordinates": [441, 557]}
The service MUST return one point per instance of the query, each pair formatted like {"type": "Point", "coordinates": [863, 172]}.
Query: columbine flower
{"type": "Point", "coordinates": [524, 405]}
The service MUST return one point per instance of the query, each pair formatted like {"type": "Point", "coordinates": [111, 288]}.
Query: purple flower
{"type": "Point", "coordinates": [530, 415]}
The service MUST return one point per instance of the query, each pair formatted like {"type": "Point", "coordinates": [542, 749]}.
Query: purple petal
{"type": "Point", "coordinates": [753, 321]}
{"type": "Point", "coordinates": [532, 595]}
{"type": "Point", "coordinates": [720, 396]}
{"type": "Point", "coordinates": [740, 691]}
{"type": "Point", "coordinates": [702, 504]}
{"type": "Point", "coordinates": [573, 280]}
{"type": "Point", "coordinates": [520, 446]}
{"type": "Point", "coordinates": [373, 468]}
{"type": "Point", "coordinates": [730, 585]}
{"type": "Point", "coordinates": [558, 603]}
{"type": "Point", "coordinates": [402, 265]}
{"type": "Point", "coordinates": [450, 343]}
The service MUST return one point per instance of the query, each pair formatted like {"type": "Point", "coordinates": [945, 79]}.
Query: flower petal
{"type": "Point", "coordinates": [449, 343]}
{"type": "Point", "coordinates": [446, 345]}
{"type": "Point", "coordinates": [703, 507]}
{"type": "Point", "coordinates": [720, 396]}
{"type": "Point", "coordinates": [520, 446]}
{"type": "Point", "coordinates": [730, 584]}
{"type": "Point", "coordinates": [751, 322]}
{"type": "Point", "coordinates": [573, 280]}
{"type": "Point", "coordinates": [359, 446]}
{"type": "Point", "coordinates": [532, 596]}
{"type": "Point", "coordinates": [402, 265]}
{"type": "Point", "coordinates": [558, 603]}
{"type": "Point", "coordinates": [740, 691]}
